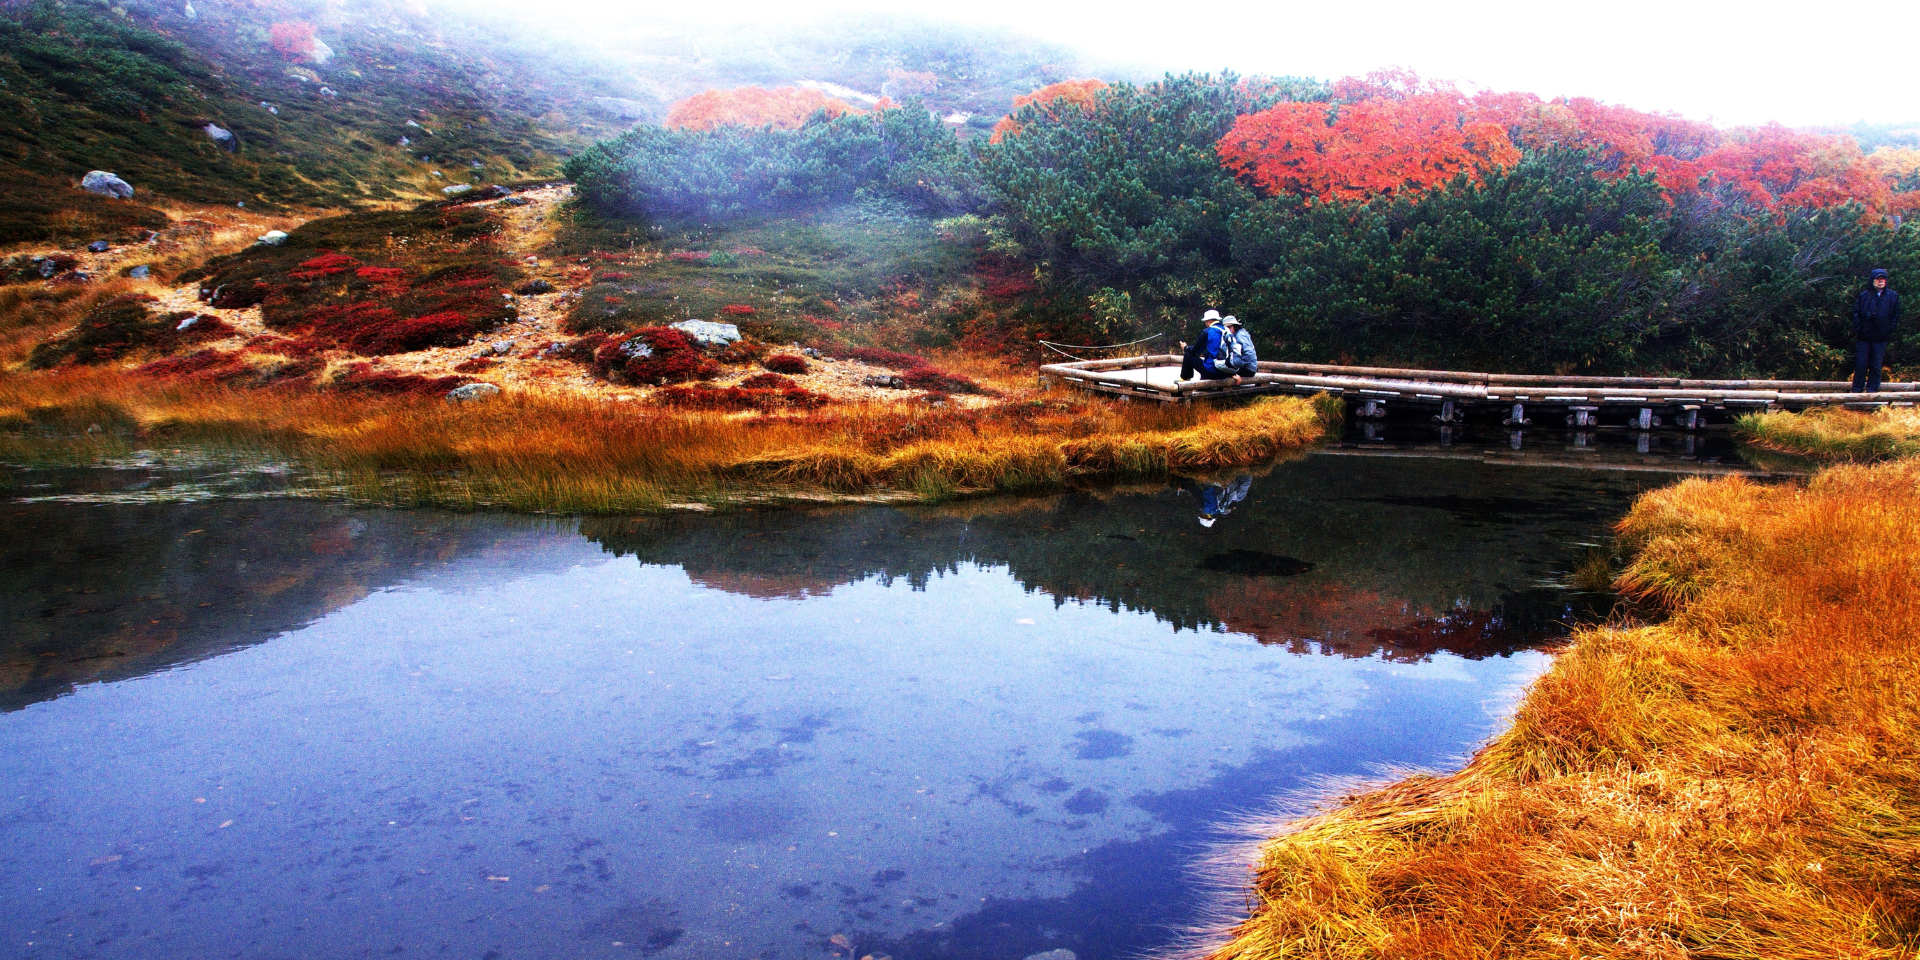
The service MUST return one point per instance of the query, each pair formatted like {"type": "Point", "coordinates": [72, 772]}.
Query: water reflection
{"type": "Point", "coordinates": [984, 730]}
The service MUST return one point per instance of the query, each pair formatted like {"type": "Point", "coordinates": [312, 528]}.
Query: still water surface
{"type": "Point", "coordinates": [277, 728]}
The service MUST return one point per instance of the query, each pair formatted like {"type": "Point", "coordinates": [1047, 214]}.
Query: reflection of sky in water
{"type": "Point", "coordinates": [501, 738]}
{"type": "Point", "coordinates": [636, 756]}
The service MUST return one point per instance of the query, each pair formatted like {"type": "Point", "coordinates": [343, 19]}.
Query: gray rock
{"type": "Point", "coordinates": [503, 347]}
{"type": "Point", "coordinates": [457, 189]}
{"type": "Point", "coordinates": [620, 108]}
{"type": "Point", "coordinates": [534, 287]}
{"type": "Point", "coordinates": [188, 322]}
{"type": "Point", "coordinates": [222, 136]}
{"type": "Point", "coordinates": [707, 333]}
{"type": "Point", "coordinates": [1060, 954]}
{"type": "Point", "coordinates": [190, 13]}
{"type": "Point", "coordinates": [273, 238]}
{"type": "Point", "coordinates": [516, 202]}
{"type": "Point", "coordinates": [99, 246]}
{"type": "Point", "coordinates": [327, 92]}
{"type": "Point", "coordinates": [886, 382]}
{"type": "Point", "coordinates": [811, 353]}
{"type": "Point", "coordinates": [472, 392]}
{"type": "Point", "coordinates": [106, 185]}
{"type": "Point", "coordinates": [320, 53]}
{"type": "Point", "coordinates": [140, 272]}
{"type": "Point", "coordinates": [405, 142]}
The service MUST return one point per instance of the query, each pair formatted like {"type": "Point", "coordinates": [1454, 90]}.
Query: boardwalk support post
{"type": "Point", "coordinates": [1373, 409]}
{"type": "Point", "coordinates": [1450, 412]}
{"type": "Point", "coordinates": [1690, 417]}
{"type": "Point", "coordinates": [1584, 416]}
{"type": "Point", "coordinates": [1519, 416]}
{"type": "Point", "coordinates": [1646, 420]}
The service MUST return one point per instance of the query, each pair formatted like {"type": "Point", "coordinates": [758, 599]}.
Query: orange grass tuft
{"type": "Point", "coordinates": [536, 451]}
{"type": "Point", "coordinates": [1741, 780]}
{"type": "Point", "coordinates": [1835, 433]}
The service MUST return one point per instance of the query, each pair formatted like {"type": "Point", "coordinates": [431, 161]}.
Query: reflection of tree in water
{"type": "Point", "coordinates": [107, 592]}
{"type": "Point", "coordinates": [1384, 578]}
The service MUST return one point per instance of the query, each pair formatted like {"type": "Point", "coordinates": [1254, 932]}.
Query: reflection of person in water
{"type": "Point", "coordinates": [1217, 499]}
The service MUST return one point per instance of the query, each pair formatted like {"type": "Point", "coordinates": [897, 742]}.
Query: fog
{"type": "Point", "coordinates": [1731, 64]}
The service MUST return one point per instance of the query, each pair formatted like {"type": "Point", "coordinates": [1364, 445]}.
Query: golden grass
{"type": "Point", "coordinates": [1834, 433]}
{"type": "Point", "coordinates": [1741, 780]}
{"type": "Point", "coordinates": [536, 451]}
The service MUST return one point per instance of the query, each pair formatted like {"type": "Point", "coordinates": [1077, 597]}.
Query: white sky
{"type": "Point", "coordinates": [1732, 63]}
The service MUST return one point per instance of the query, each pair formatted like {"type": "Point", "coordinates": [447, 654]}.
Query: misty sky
{"type": "Point", "coordinates": [1732, 63]}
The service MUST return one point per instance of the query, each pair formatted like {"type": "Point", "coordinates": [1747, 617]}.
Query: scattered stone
{"type": "Point", "coordinates": [99, 246]}
{"type": "Point", "coordinates": [320, 53]}
{"type": "Point", "coordinates": [327, 92]}
{"type": "Point", "coordinates": [188, 322]}
{"type": "Point", "coordinates": [436, 174]}
{"type": "Point", "coordinates": [405, 142]}
{"type": "Point", "coordinates": [411, 123]}
{"type": "Point", "coordinates": [106, 185]}
{"type": "Point", "coordinates": [533, 287]}
{"type": "Point", "coordinates": [472, 392]}
{"type": "Point", "coordinates": [886, 382]}
{"type": "Point", "coordinates": [273, 238]}
{"type": "Point", "coordinates": [707, 333]}
{"type": "Point", "coordinates": [811, 353]}
{"type": "Point", "coordinates": [190, 13]}
{"type": "Point", "coordinates": [140, 272]}
{"type": "Point", "coordinates": [222, 137]}
{"type": "Point", "coordinates": [477, 164]}
{"type": "Point", "coordinates": [516, 202]}
{"type": "Point", "coordinates": [455, 190]}
{"type": "Point", "coordinates": [503, 347]}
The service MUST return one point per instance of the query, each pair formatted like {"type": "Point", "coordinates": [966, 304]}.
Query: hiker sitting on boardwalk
{"type": "Point", "coordinates": [1207, 356]}
{"type": "Point", "coordinates": [1876, 311]}
{"type": "Point", "coordinates": [1240, 353]}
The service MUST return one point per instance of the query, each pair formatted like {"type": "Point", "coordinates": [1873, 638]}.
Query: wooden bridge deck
{"type": "Point", "coordinates": [1454, 393]}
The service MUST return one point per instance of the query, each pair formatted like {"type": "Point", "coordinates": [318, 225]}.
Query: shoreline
{"type": "Point", "coordinates": [1734, 780]}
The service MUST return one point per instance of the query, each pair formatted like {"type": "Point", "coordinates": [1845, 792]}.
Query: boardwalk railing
{"type": "Point", "coordinates": [1454, 392]}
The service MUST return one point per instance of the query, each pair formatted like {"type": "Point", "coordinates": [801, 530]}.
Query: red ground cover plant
{"type": "Point", "coordinates": [737, 309]}
{"type": "Point", "coordinates": [704, 397]}
{"type": "Point", "coordinates": [785, 363]}
{"type": "Point", "coordinates": [363, 377]}
{"type": "Point", "coordinates": [783, 108]}
{"type": "Point", "coordinates": [766, 381]}
{"type": "Point", "coordinates": [198, 363]}
{"type": "Point", "coordinates": [474, 365]}
{"type": "Point", "coordinates": [652, 355]}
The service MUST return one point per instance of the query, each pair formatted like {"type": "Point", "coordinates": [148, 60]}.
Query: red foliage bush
{"type": "Point", "coordinates": [653, 355]}
{"type": "Point", "coordinates": [474, 365]}
{"type": "Point", "coordinates": [883, 358]}
{"type": "Point", "coordinates": [447, 329]}
{"type": "Point", "coordinates": [934, 379]}
{"type": "Point", "coordinates": [689, 256]}
{"type": "Point", "coordinates": [785, 363]}
{"type": "Point", "coordinates": [380, 274]}
{"type": "Point", "coordinates": [363, 377]}
{"type": "Point", "coordinates": [239, 295]}
{"type": "Point", "coordinates": [703, 397]}
{"type": "Point", "coordinates": [766, 381]}
{"type": "Point", "coordinates": [200, 362]}
{"type": "Point", "coordinates": [324, 265]}
{"type": "Point", "coordinates": [737, 309]}
{"type": "Point", "coordinates": [611, 276]}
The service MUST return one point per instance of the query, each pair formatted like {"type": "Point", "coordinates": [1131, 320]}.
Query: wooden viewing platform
{"type": "Point", "coordinates": [1454, 393]}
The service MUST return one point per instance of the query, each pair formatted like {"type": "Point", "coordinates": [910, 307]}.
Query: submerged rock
{"type": "Point", "coordinates": [708, 333]}
{"type": "Point", "coordinates": [106, 185]}
{"type": "Point", "coordinates": [472, 392]}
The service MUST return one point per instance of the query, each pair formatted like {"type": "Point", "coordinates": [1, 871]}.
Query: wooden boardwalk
{"type": "Point", "coordinates": [1645, 402]}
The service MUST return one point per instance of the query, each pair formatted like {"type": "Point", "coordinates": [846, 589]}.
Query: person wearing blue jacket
{"type": "Point", "coordinates": [1876, 312]}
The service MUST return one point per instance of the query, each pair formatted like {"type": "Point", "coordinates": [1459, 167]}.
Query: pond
{"type": "Point", "coordinates": [286, 728]}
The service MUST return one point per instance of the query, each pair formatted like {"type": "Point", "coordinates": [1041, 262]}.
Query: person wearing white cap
{"type": "Point", "coordinates": [1241, 357]}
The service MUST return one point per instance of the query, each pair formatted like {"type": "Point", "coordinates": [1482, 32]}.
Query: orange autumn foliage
{"type": "Point", "coordinates": [783, 108]}
{"type": "Point", "coordinates": [292, 40]}
{"type": "Point", "coordinates": [1053, 99]}
{"type": "Point", "coordinates": [1382, 145]}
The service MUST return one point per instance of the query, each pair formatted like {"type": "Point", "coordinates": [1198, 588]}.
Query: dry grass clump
{"type": "Point", "coordinates": [537, 451]}
{"type": "Point", "coordinates": [1742, 780]}
{"type": "Point", "coordinates": [1834, 433]}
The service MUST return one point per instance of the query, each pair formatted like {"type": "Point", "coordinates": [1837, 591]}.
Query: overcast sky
{"type": "Point", "coordinates": [1732, 63]}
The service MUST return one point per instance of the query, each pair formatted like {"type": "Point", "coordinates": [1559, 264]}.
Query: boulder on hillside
{"type": "Point", "coordinates": [222, 136]}
{"type": "Point", "coordinates": [472, 392]}
{"type": "Point", "coordinates": [708, 333]}
{"type": "Point", "coordinates": [457, 189]}
{"type": "Point", "coordinates": [320, 53]}
{"type": "Point", "coordinates": [106, 185]}
{"type": "Point", "coordinates": [273, 238]}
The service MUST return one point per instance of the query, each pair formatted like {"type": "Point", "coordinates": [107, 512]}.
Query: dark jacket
{"type": "Point", "coordinates": [1875, 314]}
{"type": "Point", "coordinates": [1215, 353]}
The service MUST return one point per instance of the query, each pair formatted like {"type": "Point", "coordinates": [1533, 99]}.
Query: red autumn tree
{"type": "Point", "coordinates": [783, 108]}
{"type": "Point", "coordinates": [292, 39]}
{"type": "Point", "coordinates": [1053, 99]}
{"type": "Point", "coordinates": [1384, 145]}
{"type": "Point", "coordinates": [1773, 166]}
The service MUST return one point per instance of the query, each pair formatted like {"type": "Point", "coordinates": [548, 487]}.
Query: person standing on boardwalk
{"type": "Point", "coordinates": [1876, 311]}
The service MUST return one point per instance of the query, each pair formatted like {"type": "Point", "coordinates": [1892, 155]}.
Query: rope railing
{"type": "Point", "coordinates": [1062, 348]}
